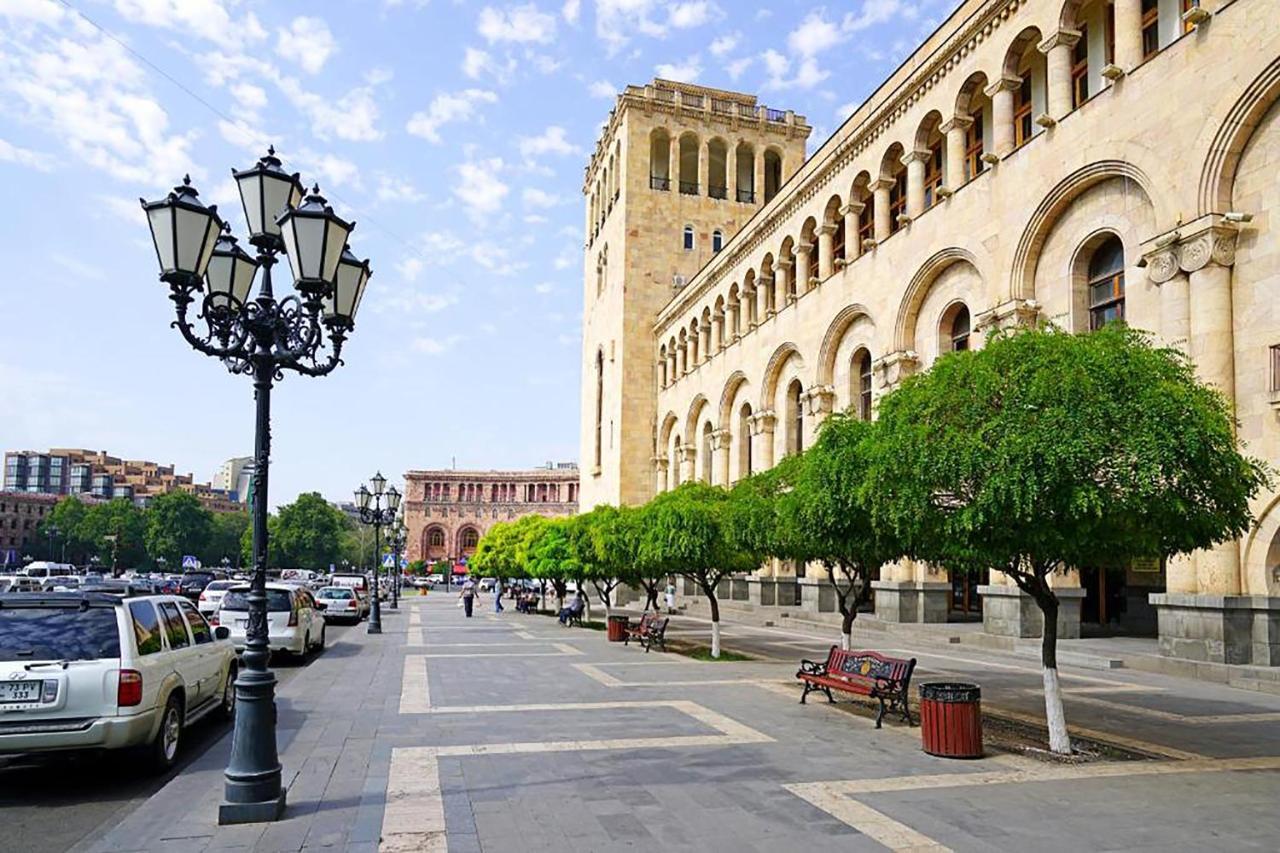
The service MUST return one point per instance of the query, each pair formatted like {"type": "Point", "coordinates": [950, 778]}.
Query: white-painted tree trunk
{"type": "Point", "coordinates": [846, 642]}
{"type": "Point", "coordinates": [715, 639]}
{"type": "Point", "coordinates": [1059, 740]}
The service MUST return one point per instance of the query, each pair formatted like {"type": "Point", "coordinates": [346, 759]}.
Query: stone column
{"type": "Point", "coordinates": [758, 179]}
{"type": "Point", "coordinates": [704, 174]}
{"type": "Point", "coordinates": [683, 351]}
{"type": "Point", "coordinates": [735, 311]}
{"type": "Point", "coordinates": [819, 401]}
{"type": "Point", "coordinates": [762, 426]}
{"type": "Point", "coordinates": [915, 162]}
{"type": "Point", "coordinates": [688, 456]}
{"type": "Point", "coordinates": [767, 285]}
{"type": "Point", "coordinates": [782, 278]}
{"type": "Point", "coordinates": [717, 332]}
{"type": "Point", "coordinates": [1162, 271]}
{"type": "Point", "coordinates": [826, 251]}
{"type": "Point", "coordinates": [706, 341]}
{"type": "Point", "coordinates": [1128, 26]}
{"type": "Point", "coordinates": [955, 129]}
{"type": "Point", "coordinates": [881, 189]}
{"type": "Point", "coordinates": [673, 164]}
{"type": "Point", "coordinates": [803, 253]}
{"type": "Point", "coordinates": [659, 474]}
{"type": "Point", "coordinates": [672, 376]}
{"type": "Point", "coordinates": [1001, 95]}
{"type": "Point", "coordinates": [852, 242]}
{"type": "Point", "coordinates": [892, 368]}
{"type": "Point", "coordinates": [721, 442]}
{"type": "Point", "coordinates": [1057, 49]}
{"type": "Point", "coordinates": [731, 171]}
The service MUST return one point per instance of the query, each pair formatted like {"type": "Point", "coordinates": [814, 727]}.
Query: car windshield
{"type": "Point", "coordinates": [58, 633]}
{"type": "Point", "coordinates": [335, 592]}
{"type": "Point", "coordinates": [217, 585]}
{"type": "Point", "coordinates": [278, 600]}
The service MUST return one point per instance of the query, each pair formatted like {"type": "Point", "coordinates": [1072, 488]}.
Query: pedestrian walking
{"type": "Point", "coordinates": [468, 596]}
{"type": "Point", "coordinates": [671, 595]}
{"type": "Point", "coordinates": [497, 597]}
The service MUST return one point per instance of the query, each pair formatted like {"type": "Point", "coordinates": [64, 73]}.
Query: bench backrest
{"type": "Point", "coordinates": [646, 620]}
{"type": "Point", "coordinates": [659, 625]}
{"type": "Point", "coordinates": [867, 666]}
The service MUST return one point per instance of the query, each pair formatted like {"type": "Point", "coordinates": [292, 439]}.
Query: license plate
{"type": "Point", "coordinates": [20, 691]}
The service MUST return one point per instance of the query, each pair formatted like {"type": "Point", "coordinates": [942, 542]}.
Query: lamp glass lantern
{"type": "Point", "coordinates": [349, 284]}
{"type": "Point", "coordinates": [393, 499]}
{"type": "Point", "coordinates": [266, 191]}
{"type": "Point", "coordinates": [229, 277]}
{"type": "Point", "coordinates": [379, 483]}
{"type": "Point", "coordinates": [314, 237]}
{"type": "Point", "coordinates": [363, 497]}
{"type": "Point", "coordinates": [184, 232]}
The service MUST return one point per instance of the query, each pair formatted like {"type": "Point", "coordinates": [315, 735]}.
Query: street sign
{"type": "Point", "coordinates": [190, 562]}
{"type": "Point", "coordinates": [388, 561]}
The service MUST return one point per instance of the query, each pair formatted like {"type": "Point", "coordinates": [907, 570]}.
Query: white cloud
{"type": "Point", "coordinates": [682, 72]}
{"type": "Point", "coordinates": [353, 116]}
{"type": "Point", "coordinates": [535, 219]}
{"type": "Point", "coordinates": [602, 89]}
{"type": "Point", "coordinates": [543, 288]}
{"type": "Point", "coordinates": [307, 42]}
{"type": "Point", "coordinates": [553, 140]}
{"type": "Point", "coordinates": [404, 301]}
{"type": "Point", "coordinates": [330, 168]}
{"type": "Point", "coordinates": [208, 19]}
{"type": "Point", "coordinates": [539, 199]}
{"type": "Point", "coordinates": [737, 67]}
{"type": "Point", "coordinates": [618, 20]}
{"type": "Point", "coordinates": [724, 44]}
{"type": "Point", "coordinates": [397, 189]}
{"type": "Point", "coordinates": [80, 269]}
{"type": "Point", "coordinates": [435, 346]}
{"type": "Point", "coordinates": [688, 15]}
{"type": "Point", "coordinates": [446, 108]}
{"type": "Point", "coordinates": [441, 246]}
{"type": "Point", "coordinates": [816, 35]}
{"type": "Point", "coordinates": [37, 11]}
{"type": "Point", "coordinates": [479, 188]}
{"type": "Point", "coordinates": [477, 63]}
{"type": "Point", "coordinates": [410, 268]}
{"type": "Point", "coordinates": [519, 24]}
{"type": "Point", "coordinates": [571, 10]}
{"type": "Point", "coordinates": [251, 98]}
{"type": "Point", "coordinates": [11, 153]}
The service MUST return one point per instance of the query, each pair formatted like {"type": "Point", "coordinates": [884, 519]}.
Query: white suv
{"type": "Point", "coordinates": [294, 622]}
{"type": "Point", "coordinates": [97, 671]}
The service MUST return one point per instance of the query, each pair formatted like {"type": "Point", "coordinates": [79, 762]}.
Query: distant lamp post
{"type": "Point", "coordinates": [261, 337]}
{"type": "Point", "coordinates": [396, 539]}
{"type": "Point", "coordinates": [373, 513]}
{"type": "Point", "coordinates": [51, 531]}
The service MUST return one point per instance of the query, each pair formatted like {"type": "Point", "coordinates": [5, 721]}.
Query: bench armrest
{"type": "Point", "coordinates": [808, 667]}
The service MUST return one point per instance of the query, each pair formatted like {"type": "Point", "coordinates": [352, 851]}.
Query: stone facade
{"type": "Point", "coordinates": [1033, 161]}
{"type": "Point", "coordinates": [446, 512]}
{"type": "Point", "coordinates": [20, 515]}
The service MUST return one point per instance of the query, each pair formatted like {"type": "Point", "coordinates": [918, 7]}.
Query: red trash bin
{"type": "Point", "coordinates": [951, 719]}
{"type": "Point", "coordinates": [617, 628]}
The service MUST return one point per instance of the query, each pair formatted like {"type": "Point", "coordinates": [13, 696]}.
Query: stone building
{"type": "Point", "coordinates": [1033, 160]}
{"type": "Point", "coordinates": [446, 512]}
{"type": "Point", "coordinates": [20, 516]}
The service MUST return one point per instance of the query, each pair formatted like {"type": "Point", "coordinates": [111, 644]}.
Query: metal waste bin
{"type": "Point", "coordinates": [951, 719]}
{"type": "Point", "coordinates": [617, 628]}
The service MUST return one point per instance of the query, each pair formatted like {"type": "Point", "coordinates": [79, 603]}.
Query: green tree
{"type": "Point", "coordinates": [273, 546]}
{"type": "Point", "coordinates": [309, 533]}
{"type": "Point", "coordinates": [68, 518]}
{"type": "Point", "coordinates": [1045, 451]}
{"type": "Point", "coordinates": [117, 530]}
{"type": "Point", "coordinates": [225, 534]}
{"type": "Point", "coordinates": [177, 525]}
{"type": "Point", "coordinates": [685, 532]}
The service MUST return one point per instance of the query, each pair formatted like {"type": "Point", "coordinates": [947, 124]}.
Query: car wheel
{"type": "Point", "coordinates": [164, 749]}
{"type": "Point", "coordinates": [227, 709]}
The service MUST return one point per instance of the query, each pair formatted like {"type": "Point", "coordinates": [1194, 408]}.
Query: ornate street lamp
{"type": "Point", "coordinates": [260, 337]}
{"type": "Point", "coordinates": [397, 546]}
{"type": "Point", "coordinates": [373, 513]}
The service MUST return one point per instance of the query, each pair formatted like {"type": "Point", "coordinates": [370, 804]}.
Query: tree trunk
{"type": "Point", "coordinates": [1054, 714]}
{"type": "Point", "coordinates": [605, 594]}
{"type": "Point", "coordinates": [715, 619]}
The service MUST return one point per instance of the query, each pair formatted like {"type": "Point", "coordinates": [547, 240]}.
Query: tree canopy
{"type": "Point", "coordinates": [177, 525]}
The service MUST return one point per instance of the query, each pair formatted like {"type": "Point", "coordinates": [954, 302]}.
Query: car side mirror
{"type": "Point", "coordinates": [222, 632]}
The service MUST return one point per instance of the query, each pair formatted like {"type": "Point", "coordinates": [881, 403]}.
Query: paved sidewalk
{"type": "Point", "coordinates": [510, 733]}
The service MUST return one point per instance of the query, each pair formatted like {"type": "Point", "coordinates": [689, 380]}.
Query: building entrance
{"type": "Point", "coordinates": [1116, 599]}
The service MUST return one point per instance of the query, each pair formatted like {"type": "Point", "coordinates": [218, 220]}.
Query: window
{"type": "Point", "coordinates": [199, 628]}
{"type": "Point", "coordinates": [867, 219]}
{"type": "Point", "coordinates": [469, 539]}
{"type": "Point", "coordinates": [173, 626]}
{"type": "Point", "coordinates": [958, 331]}
{"type": "Point", "coordinates": [58, 633]}
{"type": "Point", "coordinates": [1106, 283]}
{"type": "Point", "coordinates": [838, 241]}
{"type": "Point", "coordinates": [973, 165]}
{"type": "Point", "coordinates": [795, 417]}
{"type": "Point", "coordinates": [1080, 68]}
{"type": "Point", "coordinates": [146, 627]}
{"type": "Point", "coordinates": [744, 441]}
{"type": "Point", "coordinates": [688, 238]}
{"type": "Point", "coordinates": [862, 376]}
{"type": "Point", "coordinates": [599, 403]}
{"type": "Point", "coordinates": [933, 175]}
{"type": "Point", "coordinates": [435, 538]}
{"type": "Point", "coordinates": [717, 241]}
{"type": "Point", "coordinates": [897, 200]}
{"type": "Point", "coordinates": [1150, 28]}
{"type": "Point", "coordinates": [1023, 126]}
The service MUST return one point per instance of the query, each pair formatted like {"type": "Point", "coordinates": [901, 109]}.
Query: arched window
{"type": "Point", "coordinates": [708, 460]}
{"type": "Point", "coordinates": [599, 402]}
{"type": "Point", "coordinates": [660, 160]}
{"type": "Point", "coordinates": [688, 238]}
{"type": "Point", "coordinates": [956, 329]}
{"type": "Point", "coordinates": [717, 166]}
{"type": "Point", "coordinates": [860, 376]}
{"type": "Point", "coordinates": [744, 441]}
{"type": "Point", "coordinates": [689, 178]}
{"type": "Point", "coordinates": [745, 180]}
{"type": "Point", "coordinates": [1106, 283]}
{"type": "Point", "coordinates": [717, 241]}
{"type": "Point", "coordinates": [435, 538]}
{"type": "Point", "coordinates": [469, 539]}
{"type": "Point", "coordinates": [772, 174]}
{"type": "Point", "coordinates": [795, 417]}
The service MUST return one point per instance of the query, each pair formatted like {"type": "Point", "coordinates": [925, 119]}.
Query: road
{"type": "Point", "coordinates": [52, 803]}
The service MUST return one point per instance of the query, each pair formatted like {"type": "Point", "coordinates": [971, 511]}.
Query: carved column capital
{"type": "Point", "coordinates": [659, 463]}
{"type": "Point", "coordinates": [819, 400]}
{"type": "Point", "coordinates": [1016, 313]}
{"type": "Point", "coordinates": [917, 155]}
{"type": "Point", "coordinates": [825, 230]}
{"type": "Point", "coordinates": [1214, 243]}
{"type": "Point", "coordinates": [1064, 36]}
{"type": "Point", "coordinates": [1161, 263]}
{"type": "Point", "coordinates": [763, 423]}
{"type": "Point", "coordinates": [721, 439]}
{"type": "Point", "coordinates": [1005, 83]}
{"type": "Point", "coordinates": [854, 207]}
{"type": "Point", "coordinates": [891, 369]}
{"type": "Point", "coordinates": [956, 123]}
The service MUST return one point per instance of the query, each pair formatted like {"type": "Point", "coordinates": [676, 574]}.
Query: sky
{"type": "Point", "coordinates": [454, 133]}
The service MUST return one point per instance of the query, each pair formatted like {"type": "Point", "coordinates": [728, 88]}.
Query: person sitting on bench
{"type": "Point", "coordinates": [574, 609]}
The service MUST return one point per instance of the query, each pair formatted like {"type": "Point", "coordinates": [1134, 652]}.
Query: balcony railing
{"type": "Point", "coordinates": [775, 115]}
{"type": "Point", "coordinates": [689, 187]}
{"type": "Point", "coordinates": [659, 183]}
{"type": "Point", "coordinates": [746, 196]}
{"type": "Point", "coordinates": [722, 105]}
{"type": "Point", "coordinates": [691, 100]}
{"type": "Point", "coordinates": [746, 111]}
{"type": "Point", "coordinates": [718, 192]}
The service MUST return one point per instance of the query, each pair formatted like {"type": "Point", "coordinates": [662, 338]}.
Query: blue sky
{"type": "Point", "coordinates": [453, 132]}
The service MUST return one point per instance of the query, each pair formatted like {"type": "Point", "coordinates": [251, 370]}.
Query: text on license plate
{"type": "Point", "coordinates": [20, 691]}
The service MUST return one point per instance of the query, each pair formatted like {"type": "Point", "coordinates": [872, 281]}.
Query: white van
{"type": "Point", "coordinates": [44, 569]}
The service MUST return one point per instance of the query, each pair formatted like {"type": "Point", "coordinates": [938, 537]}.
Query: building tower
{"type": "Point", "coordinates": [677, 171]}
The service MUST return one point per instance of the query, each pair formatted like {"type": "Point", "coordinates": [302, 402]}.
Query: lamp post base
{"type": "Point", "coordinates": [264, 812]}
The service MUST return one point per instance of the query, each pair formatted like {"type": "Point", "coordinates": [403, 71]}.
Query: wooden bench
{"type": "Point", "coordinates": [865, 673]}
{"type": "Point", "coordinates": [651, 631]}
{"type": "Point", "coordinates": [638, 630]}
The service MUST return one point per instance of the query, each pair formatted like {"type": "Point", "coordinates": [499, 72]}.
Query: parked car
{"type": "Point", "coordinates": [192, 584]}
{"type": "Point", "coordinates": [357, 582]}
{"type": "Point", "coordinates": [94, 671]}
{"type": "Point", "coordinates": [435, 578]}
{"type": "Point", "coordinates": [211, 596]}
{"type": "Point", "coordinates": [340, 603]}
{"type": "Point", "coordinates": [61, 583]}
{"type": "Point", "coordinates": [487, 584]}
{"type": "Point", "coordinates": [123, 588]}
{"type": "Point", "coordinates": [294, 623]}
{"type": "Point", "coordinates": [44, 569]}
{"type": "Point", "coordinates": [19, 583]}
